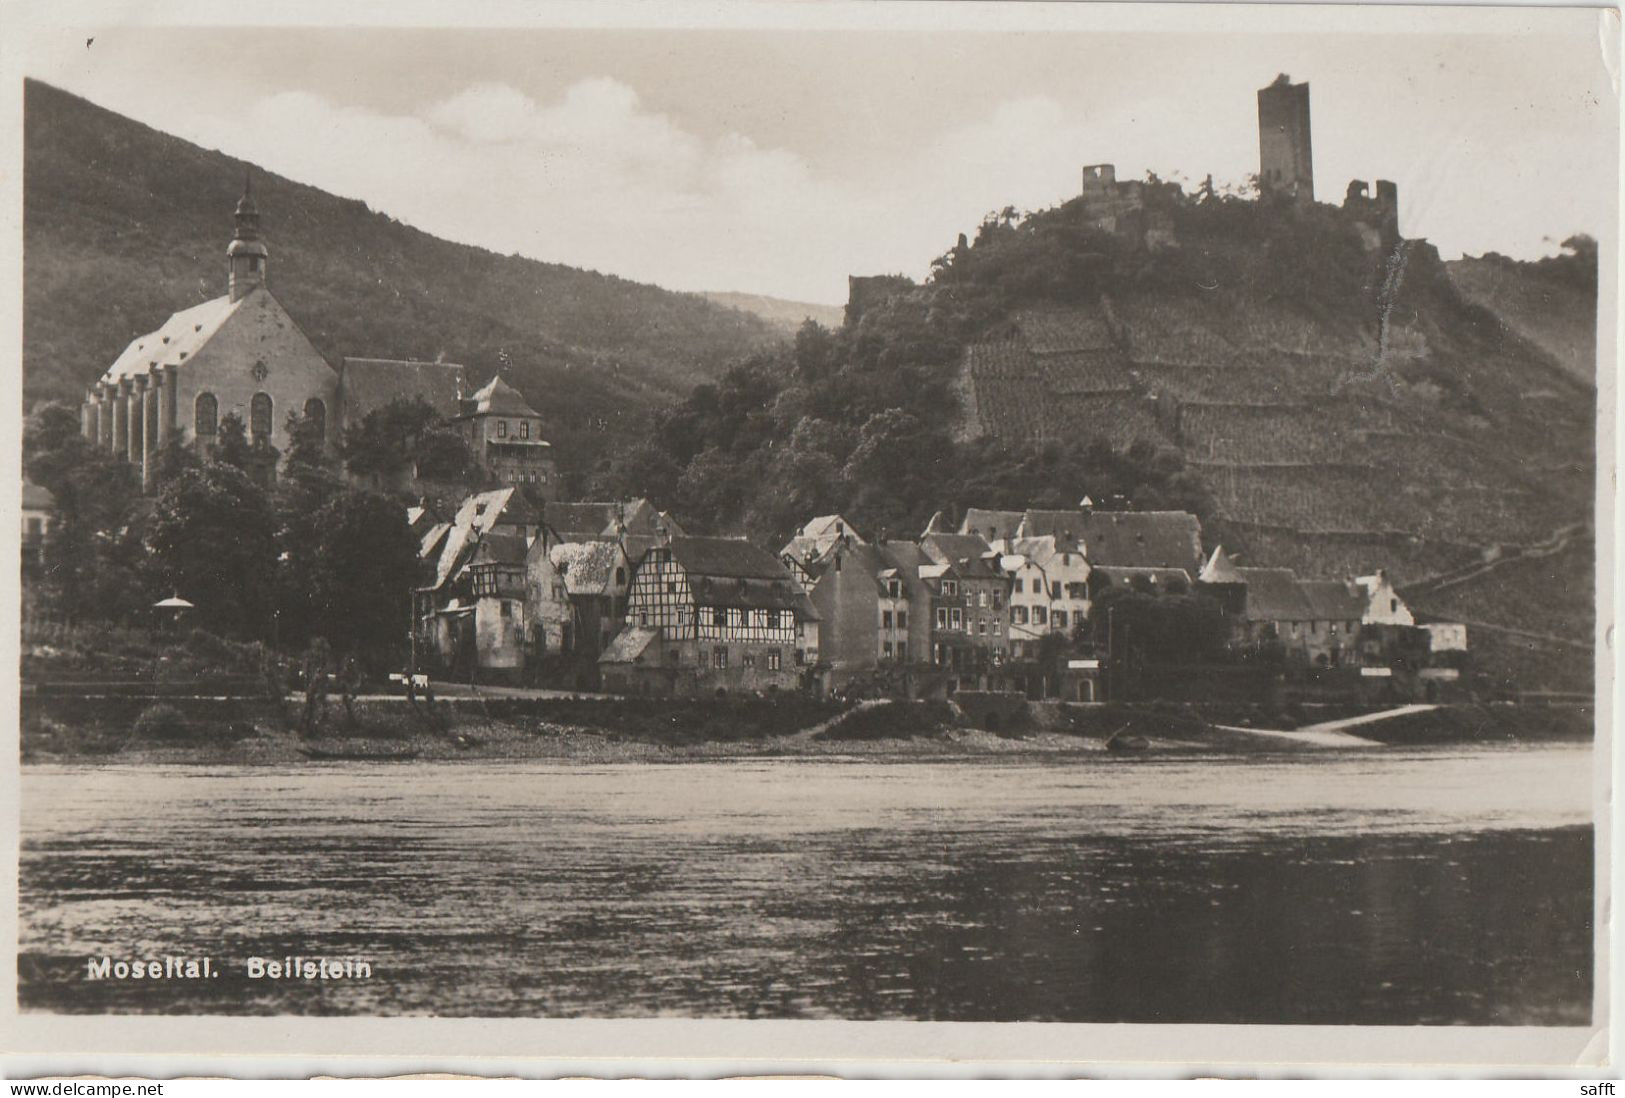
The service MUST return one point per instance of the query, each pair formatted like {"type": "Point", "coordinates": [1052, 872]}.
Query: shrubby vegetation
{"type": "Point", "coordinates": [278, 562]}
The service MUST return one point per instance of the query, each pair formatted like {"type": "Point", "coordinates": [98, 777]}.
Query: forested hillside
{"type": "Point", "coordinates": [124, 225]}
{"type": "Point", "coordinates": [1321, 403]}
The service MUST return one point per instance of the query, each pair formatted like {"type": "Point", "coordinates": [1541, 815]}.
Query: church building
{"type": "Point", "coordinates": [241, 353]}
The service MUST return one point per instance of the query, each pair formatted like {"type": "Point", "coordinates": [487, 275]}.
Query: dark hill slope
{"type": "Point", "coordinates": [1346, 409]}
{"type": "Point", "coordinates": [124, 224]}
{"type": "Point", "coordinates": [1551, 303]}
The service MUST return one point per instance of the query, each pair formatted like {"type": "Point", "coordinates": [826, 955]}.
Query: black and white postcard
{"type": "Point", "coordinates": [779, 537]}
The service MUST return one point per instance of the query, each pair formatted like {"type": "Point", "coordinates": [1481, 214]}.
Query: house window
{"type": "Point", "coordinates": [885, 619]}
{"type": "Point", "coordinates": [524, 428]}
{"type": "Point", "coordinates": [1055, 589]}
{"type": "Point", "coordinates": [885, 649]}
{"type": "Point", "coordinates": [902, 619]}
{"type": "Point", "coordinates": [206, 416]}
{"type": "Point", "coordinates": [736, 617]}
{"type": "Point", "coordinates": [1058, 619]}
{"type": "Point", "coordinates": [643, 617]}
{"type": "Point", "coordinates": [981, 598]}
{"type": "Point", "coordinates": [950, 588]}
{"type": "Point", "coordinates": [1020, 585]}
{"type": "Point", "coordinates": [719, 616]}
{"type": "Point", "coordinates": [1039, 614]}
{"type": "Point", "coordinates": [1332, 626]}
{"type": "Point", "coordinates": [748, 660]}
{"type": "Point", "coordinates": [1393, 606]}
{"type": "Point", "coordinates": [507, 610]}
{"type": "Point", "coordinates": [998, 600]}
{"type": "Point", "coordinates": [620, 577]}
{"type": "Point", "coordinates": [502, 428]}
{"type": "Point", "coordinates": [773, 658]}
{"type": "Point", "coordinates": [671, 587]}
{"type": "Point", "coordinates": [902, 651]}
{"type": "Point", "coordinates": [722, 659]}
{"type": "Point", "coordinates": [956, 618]}
{"type": "Point", "coordinates": [894, 589]}
{"type": "Point", "coordinates": [682, 615]}
{"type": "Point", "coordinates": [1019, 614]}
{"type": "Point", "coordinates": [786, 619]}
{"type": "Point", "coordinates": [981, 627]}
{"type": "Point", "coordinates": [942, 617]}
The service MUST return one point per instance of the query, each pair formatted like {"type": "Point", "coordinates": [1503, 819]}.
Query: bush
{"type": "Point", "coordinates": [161, 721]}
{"type": "Point", "coordinates": [226, 655]}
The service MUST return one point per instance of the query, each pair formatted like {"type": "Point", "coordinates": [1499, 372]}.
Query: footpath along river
{"type": "Point", "coordinates": [1451, 885]}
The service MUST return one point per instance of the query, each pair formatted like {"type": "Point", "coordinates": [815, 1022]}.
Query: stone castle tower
{"type": "Point", "coordinates": [247, 255]}
{"type": "Point", "coordinates": [1285, 161]}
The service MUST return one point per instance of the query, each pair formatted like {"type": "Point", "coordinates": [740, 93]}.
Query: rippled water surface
{"type": "Point", "coordinates": [1374, 887]}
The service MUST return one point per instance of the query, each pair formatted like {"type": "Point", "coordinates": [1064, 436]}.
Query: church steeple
{"type": "Point", "coordinates": [247, 256]}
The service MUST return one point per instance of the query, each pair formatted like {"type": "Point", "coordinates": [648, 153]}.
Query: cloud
{"type": "Point", "coordinates": [595, 179]}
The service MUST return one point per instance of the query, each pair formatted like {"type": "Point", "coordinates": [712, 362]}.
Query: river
{"type": "Point", "coordinates": [1392, 887]}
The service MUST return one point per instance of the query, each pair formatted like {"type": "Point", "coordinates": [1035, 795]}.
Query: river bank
{"type": "Point", "coordinates": [256, 731]}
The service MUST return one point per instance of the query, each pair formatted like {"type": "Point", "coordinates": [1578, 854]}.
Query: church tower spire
{"type": "Point", "coordinates": [247, 255]}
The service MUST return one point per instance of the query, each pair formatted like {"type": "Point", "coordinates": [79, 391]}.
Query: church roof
{"type": "Point", "coordinates": [181, 337]}
{"type": "Point", "coordinates": [367, 384]}
{"type": "Point", "coordinates": [497, 397]}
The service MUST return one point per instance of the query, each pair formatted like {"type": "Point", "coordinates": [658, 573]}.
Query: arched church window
{"type": "Point", "coordinates": [316, 413]}
{"type": "Point", "coordinates": [259, 417]}
{"type": "Point", "coordinates": [207, 418]}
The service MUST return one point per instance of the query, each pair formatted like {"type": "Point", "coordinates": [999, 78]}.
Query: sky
{"type": "Point", "coordinates": [780, 162]}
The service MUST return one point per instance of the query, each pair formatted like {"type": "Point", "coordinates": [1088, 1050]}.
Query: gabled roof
{"type": "Point", "coordinates": [500, 506]}
{"type": "Point", "coordinates": [494, 548]}
{"type": "Point", "coordinates": [497, 397]}
{"type": "Point", "coordinates": [726, 557]}
{"type": "Point", "coordinates": [953, 548]}
{"type": "Point", "coordinates": [1144, 539]}
{"type": "Point", "coordinates": [592, 521]}
{"type": "Point", "coordinates": [905, 556]}
{"type": "Point", "coordinates": [828, 528]}
{"type": "Point", "coordinates": [1334, 600]}
{"type": "Point", "coordinates": [1038, 524]}
{"type": "Point", "coordinates": [979, 520]}
{"type": "Point", "coordinates": [1274, 594]}
{"type": "Point", "coordinates": [1220, 569]}
{"type": "Point", "coordinates": [628, 645]}
{"type": "Point", "coordinates": [368, 384]}
{"type": "Point", "coordinates": [181, 337]}
{"type": "Point", "coordinates": [586, 566]}
{"type": "Point", "coordinates": [433, 539]}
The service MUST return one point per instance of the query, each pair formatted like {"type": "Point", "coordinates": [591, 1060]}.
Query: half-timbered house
{"type": "Point", "coordinates": [709, 614]}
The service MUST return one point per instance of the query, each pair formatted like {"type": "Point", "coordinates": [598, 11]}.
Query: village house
{"type": "Point", "coordinates": [804, 553]}
{"type": "Point", "coordinates": [1128, 539]}
{"type": "Point", "coordinates": [505, 434]}
{"type": "Point", "coordinates": [38, 518]}
{"type": "Point", "coordinates": [597, 577]}
{"type": "Point", "coordinates": [712, 614]}
{"type": "Point", "coordinates": [1049, 588]}
{"type": "Point", "coordinates": [491, 603]}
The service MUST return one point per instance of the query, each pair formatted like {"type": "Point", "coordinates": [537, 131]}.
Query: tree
{"type": "Point", "coordinates": [362, 573]}
{"type": "Point", "coordinates": [815, 350]}
{"type": "Point", "coordinates": [212, 538]}
{"type": "Point", "coordinates": [386, 439]}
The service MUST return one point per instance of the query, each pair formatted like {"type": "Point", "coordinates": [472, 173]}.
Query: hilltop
{"type": "Point", "coordinates": [125, 224]}
{"type": "Point", "coordinates": [1317, 390]}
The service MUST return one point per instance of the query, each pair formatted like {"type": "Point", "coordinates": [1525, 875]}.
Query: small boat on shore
{"type": "Point", "coordinates": [1120, 744]}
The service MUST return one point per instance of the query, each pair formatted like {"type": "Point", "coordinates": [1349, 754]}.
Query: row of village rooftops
{"type": "Point", "coordinates": [619, 595]}
{"type": "Point", "coordinates": [242, 354]}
